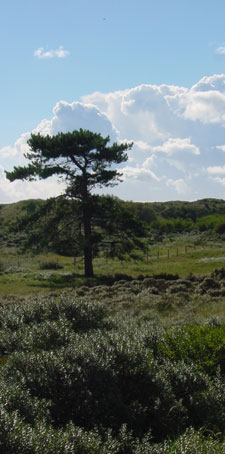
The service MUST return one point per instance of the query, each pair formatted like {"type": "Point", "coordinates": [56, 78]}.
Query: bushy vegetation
{"type": "Point", "coordinates": [50, 265]}
{"type": "Point", "coordinates": [74, 380]}
{"type": "Point", "coordinates": [143, 372]}
{"type": "Point", "coordinates": [162, 218]}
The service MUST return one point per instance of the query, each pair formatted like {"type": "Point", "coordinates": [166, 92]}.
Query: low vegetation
{"type": "Point", "coordinates": [131, 361]}
{"type": "Point", "coordinates": [75, 380]}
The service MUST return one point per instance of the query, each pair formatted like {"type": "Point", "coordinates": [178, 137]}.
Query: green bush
{"type": "Point", "coordinates": [50, 265]}
{"type": "Point", "coordinates": [74, 382]}
{"type": "Point", "coordinates": [202, 345]}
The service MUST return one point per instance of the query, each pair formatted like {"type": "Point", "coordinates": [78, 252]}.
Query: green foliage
{"type": "Point", "coordinates": [176, 225]}
{"type": "Point", "coordinates": [74, 382]}
{"type": "Point", "coordinates": [50, 265]}
{"type": "Point", "coordinates": [166, 218]}
{"type": "Point", "coordinates": [201, 344]}
{"type": "Point", "coordinates": [83, 159]}
{"type": "Point", "coordinates": [57, 226]}
{"type": "Point", "coordinates": [220, 228]}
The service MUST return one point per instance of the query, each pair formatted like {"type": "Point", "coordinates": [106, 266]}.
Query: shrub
{"type": "Point", "coordinates": [73, 382]}
{"type": "Point", "coordinates": [50, 265]}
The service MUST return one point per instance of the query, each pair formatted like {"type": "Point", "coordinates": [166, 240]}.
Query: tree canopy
{"type": "Point", "coordinates": [84, 160]}
{"type": "Point", "coordinates": [56, 225]}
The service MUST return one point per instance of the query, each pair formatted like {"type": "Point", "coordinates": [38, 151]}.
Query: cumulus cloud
{"type": "Point", "coordinates": [180, 185]}
{"type": "Point", "coordinates": [209, 83]}
{"type": "Point", "coordinates": [18, 150]}
{"type": "Point", "coordinates": [177, 145]}
{"type": "Point", "coordinates": [142, 145]}
{"type": "Point", "coordinates": [45, 54]}
{"type": "Point", "coordinates": [21, 190]}
{"type": "Point", "coordinates": [207, 107]}
{"type": "Point", "coordinates": [68, 117]}
{"type": "Point", "coordinates": [7, 151]}
{"type": "Point", "coordinates": [177, 135]}
{"type": "Point", "coordinates": [216, 170]}
{"type": "Point", "coordinates": [138, 173]}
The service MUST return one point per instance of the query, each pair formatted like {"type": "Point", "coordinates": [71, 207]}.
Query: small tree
{"type": "Point", "coordinates": [83, 160]}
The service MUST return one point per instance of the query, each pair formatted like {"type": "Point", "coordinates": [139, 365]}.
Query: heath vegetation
{"type": "Point", "coordinates": [128, 361]}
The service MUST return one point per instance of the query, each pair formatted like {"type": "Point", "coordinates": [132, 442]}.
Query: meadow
{"type": "Point", "coordinates": [22, 274]}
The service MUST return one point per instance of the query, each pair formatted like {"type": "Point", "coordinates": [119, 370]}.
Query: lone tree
{"type": "Point", "coordinates": [83, 159]}
{"type": "Point", "coordinates": [56, 225]}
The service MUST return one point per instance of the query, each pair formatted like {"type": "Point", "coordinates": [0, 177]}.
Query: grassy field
{"type": "Point", "coordinates": [26, 275]}
{"type": "Point", "coordinates": [22, 274]}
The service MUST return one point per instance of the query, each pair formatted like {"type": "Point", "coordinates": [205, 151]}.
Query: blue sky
{"type": "Point", "coordinates": [150, 71]}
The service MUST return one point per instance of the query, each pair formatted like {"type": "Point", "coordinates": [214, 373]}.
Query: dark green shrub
{"type": "Point", "coordinates": [77, 383]}
{"type": "Point", "coordinates": [50, 265]}
{"type": "Point", "coordinates": [220, 228]}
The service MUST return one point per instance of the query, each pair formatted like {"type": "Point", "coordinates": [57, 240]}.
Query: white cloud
{"type": "Point", "coordinates": [142, 145]}
{"type": "Point", "coordinates": [208, 83]}
{"type": "Point", "coordinates": [177, 145]}
{"type": "Point", "coordinates": [149, 162]}
{"type": "Point", "coordinates": [216, 170]}
{"type": "Point", "coordinates": [180, 185]}
{"type": "Point", "coordinates": [219, 180]}
{"type": "Point", "coordinates": [221, 147]}
{"type": "Point", "coordinates": [68, 117]}
{"type": "Point", "coordinates": [57, 53]}
{"type": "Point", "coordinates": [138, 173]}
{"type": "Point", "coordinates": [19, 148]}
{"type": "Point", "coordinates": [207, 107]}
{"type": "Point", "coordinates": [220, 50]}
{"type": "Point", "coordinates": [45, 188]}
{"type": "Point", "coordinates": [21, 190]}
{"type": "Point", "coordinates": [175, 131]}
{"type": "Point", "coordinates": [7, 151]}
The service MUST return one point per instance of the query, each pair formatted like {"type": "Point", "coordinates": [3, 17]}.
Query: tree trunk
{"type": "Point", "coordinates": [88, 266]}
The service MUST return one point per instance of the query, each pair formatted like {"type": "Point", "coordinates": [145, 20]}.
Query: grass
{"type": "Point", "coordinates": [182, 256]}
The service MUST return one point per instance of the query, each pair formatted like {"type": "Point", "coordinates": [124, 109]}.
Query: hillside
{"type": "Point", "coordinates": [162, 218]}
{"type": "Point", "coordinates": [148, 211]}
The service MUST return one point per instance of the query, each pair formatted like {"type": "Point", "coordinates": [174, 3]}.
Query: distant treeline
{"type": "Point", "coordinates": [178, 216]}
{"type": "Point", "coordinates": [206, 215]}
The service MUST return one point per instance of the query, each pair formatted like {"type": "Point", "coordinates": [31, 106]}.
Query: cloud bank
{"type": "Point", "coordinates": [178, 135]}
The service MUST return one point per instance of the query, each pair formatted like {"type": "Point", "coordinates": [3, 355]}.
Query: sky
{"type": "Point", "coordinates": [147, 71]}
